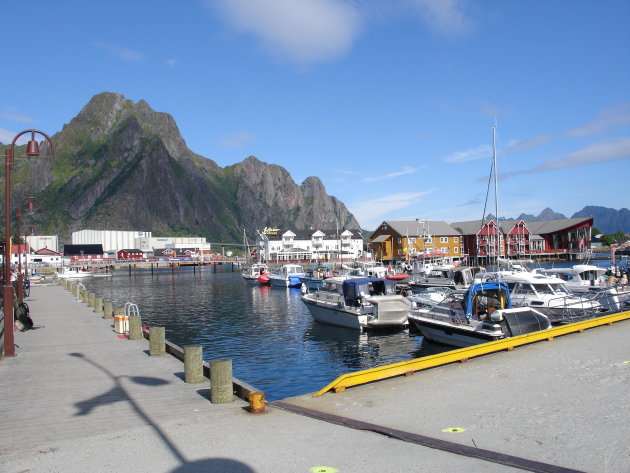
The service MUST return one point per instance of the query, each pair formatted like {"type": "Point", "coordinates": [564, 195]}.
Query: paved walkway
{"type": "Point", "coordinates": [78, 398]}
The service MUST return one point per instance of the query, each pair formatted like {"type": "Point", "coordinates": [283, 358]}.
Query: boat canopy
{"type": "Point", "coordinates": [356, 288]}
{"type": "Point", "coordinates": [483, 297]}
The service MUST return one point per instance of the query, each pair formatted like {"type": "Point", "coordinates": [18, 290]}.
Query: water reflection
{"type": "Point", "coordinates": [267, 332]}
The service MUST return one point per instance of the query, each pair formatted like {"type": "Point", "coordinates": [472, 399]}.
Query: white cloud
{"type": "Point", "coordinates": [14, 115]}
{"type": "Point", "coordinates": [608, 119]}
{"type": "Point", "coordinates": [120, 52]}
{"type": "Point", "coordinates": [237, 139]}
{"type": "Point", "coordinates": [303, 32]}
{"type": "Point", "coordinates": [614, 150]}
{"type": "Point", "coordinates": [444, 17]}
{"type": "Point", "coordinates": [405, 170]}
{"type": "Point", "coordinates": [172, 62]}
{"type": "Point", "coordinates": [370, 213]}
{"type": "Point", "coordinates": [7, 136]}
{"type": "Point", "coordinates": [529, 143]}
{"type": "Point", "coordinates": [471, 154]}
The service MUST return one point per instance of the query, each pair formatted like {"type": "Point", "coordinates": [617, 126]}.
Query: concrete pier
{"type": "Point", "coordinates": [79, 397]}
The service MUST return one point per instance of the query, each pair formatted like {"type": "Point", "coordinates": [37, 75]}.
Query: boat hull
{"type": "Point", "coordinates": [332, 316]}
{"type": "Point", "coordinates": [451, 335]}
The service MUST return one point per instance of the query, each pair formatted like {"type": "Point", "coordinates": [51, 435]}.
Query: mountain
{"type": "Point", "coordinates": [607, 220]}
{"type": "Point", "coordinates": [120, 165]}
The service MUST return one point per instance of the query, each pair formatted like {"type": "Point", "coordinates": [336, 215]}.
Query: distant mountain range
{"type": "Point", "coordinates": [605, 219]}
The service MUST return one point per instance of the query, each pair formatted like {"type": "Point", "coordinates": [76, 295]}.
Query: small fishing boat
{"type": "Point", "coordinates": [358, 303]}
{"type": "Point", "coordinates": [252, 274]}
{"type": "Point", "coordinates": [287, 276]}
{"type": "Point", "coordinates": [314, 279]}
{"type": "Point", "coordinates": [482, 313]}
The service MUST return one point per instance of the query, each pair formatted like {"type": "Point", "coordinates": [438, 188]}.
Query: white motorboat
{"type": "Point", "coordinates": [583, 279]}
{"type": "Point", "coordinates": [358, 303]}
{"type": "Point", "coordinates": [482, 313]}
{"type": "Point", "coordinates": [456, 277]}
{"type": "Point", "coordinates": [252, 274]}
{"type": "Point", "coordinates": [74, 273]}
{"type": "Point", "coordinates": [547, 294]}
{"type": "Point", "coordinates": [287, 276]}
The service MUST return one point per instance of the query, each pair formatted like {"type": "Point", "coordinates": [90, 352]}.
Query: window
{"type": "Point", "coordinates": [455, 239]}
{"type": "Point", "coordinates": [444, 250]}
{"type": "Point", "coordinates": [443, 239]}
{"type": "Point", "coordinates": [412, 240]}
{"type": "Point", "coordinates": [456, 249]}
{"type": "Point", "coordinates": [399, 252]}
{"type": "Point", "coordinates": [399, 241]}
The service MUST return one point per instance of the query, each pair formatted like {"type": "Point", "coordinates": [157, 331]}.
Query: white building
{"type": "Point", "coordinates": [37, 242]}
{"type": "Point", "coordinates": [115, 240]}
{"type": "Point", "coordinates": [319, 245]}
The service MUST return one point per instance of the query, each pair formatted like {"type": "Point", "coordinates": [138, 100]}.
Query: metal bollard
{"type": "Point", "coordinates": [221, 390]}
{"type": "Point", "coordinates": [193, 364]}
{"type": "Point", "coordinates": [90, 301]}
{"type": "Point", "coordinates": [156, 341]}
{"type": "Point", "coordinates": [256, 402]}
{"type": "Point", "coordinates": [135, 327]}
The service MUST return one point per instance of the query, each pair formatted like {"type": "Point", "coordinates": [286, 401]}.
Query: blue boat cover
{"type": "Point", "coordinates": [355, 288]}
{"type": "Point", "coordinates": [499, 290]}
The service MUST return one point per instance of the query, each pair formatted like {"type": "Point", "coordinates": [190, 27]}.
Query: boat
{"type": "Point", "coordinates": [547, 294]}
{"type": "Point", "coordinates": [314, 279]}
{"type": "Point", "coordinates": [482, 313]}
{"type": "Point", "coordinates": [456, 277]}
{"type": "Point", "coordinates": [252, 274]}
{"type": "Point", "coordinates": [74, 273]}
{"type": "Point", "coordinates": [358, 303]}
{"type": "Point", "coordinates": [582, 279]}
{"type": "Point", "coordinates": [287, 276]}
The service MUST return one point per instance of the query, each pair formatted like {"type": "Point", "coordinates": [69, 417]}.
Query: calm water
{"type": "Point", "coordinates": [267, 332]}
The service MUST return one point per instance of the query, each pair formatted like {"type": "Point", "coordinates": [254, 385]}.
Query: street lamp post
{"type": "Point", "coordinates": [20, 279]}
{"type": "Point", "coordinates": [32, 150]}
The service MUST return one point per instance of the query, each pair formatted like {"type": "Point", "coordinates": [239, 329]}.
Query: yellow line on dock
{"type": "Point", "coordinates": [463, 354]}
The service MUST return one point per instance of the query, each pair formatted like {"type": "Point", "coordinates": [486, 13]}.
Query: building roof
{"type": "Point", "coordinates": [419, 228]}
{"type": "Point", "coordinates": [308, 234]}
{"type": "Point", "coordinates": [80, 250]}
{"type": "Point", "coordinates": [540, 228]}
{"type": "Point", "coordinates": [47, 251]}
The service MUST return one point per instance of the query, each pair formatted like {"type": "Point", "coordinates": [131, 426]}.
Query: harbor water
{"type": "Point", "coordinates": [267, 332]}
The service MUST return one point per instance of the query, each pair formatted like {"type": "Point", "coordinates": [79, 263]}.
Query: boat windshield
{"type": "Point", "coordinates": [549, 288]}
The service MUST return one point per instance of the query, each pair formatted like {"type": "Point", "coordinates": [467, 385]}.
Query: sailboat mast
{"type": "Point", "coordinates": [496, 191]}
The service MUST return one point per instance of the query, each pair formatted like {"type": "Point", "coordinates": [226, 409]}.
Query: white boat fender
{"type": "Point", "coordinates": [496, 316]}
{"type": "Point", "coordinates": [304, 288]}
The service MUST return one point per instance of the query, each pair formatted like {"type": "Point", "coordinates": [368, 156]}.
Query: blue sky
{"type": "Point", "coordinates": [390, 103]}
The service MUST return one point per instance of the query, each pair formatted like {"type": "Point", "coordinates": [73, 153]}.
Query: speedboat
{"type": "Point", "coordinates": [252, 274]}
{"type": "Point", "coordinates": [358, 303]}
{"type": "Point", "coordinates": [482, 313]}
{"type": "Point", "coordinates": [547, 294]}
{"type": "Point", "coordinates": [456, 277]}
{"type": "Point", "coordinates": [287, 276]}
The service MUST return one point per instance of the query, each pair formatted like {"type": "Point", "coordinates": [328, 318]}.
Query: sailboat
{"type": "Point", "coordinates": [480, 313]}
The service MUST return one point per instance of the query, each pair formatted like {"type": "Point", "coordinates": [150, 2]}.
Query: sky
{"type": "Point", "coordinates": [391, 103]}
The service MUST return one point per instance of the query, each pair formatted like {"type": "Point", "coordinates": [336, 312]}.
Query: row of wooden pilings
{"type": "Point", "coordinates": [223, 386]}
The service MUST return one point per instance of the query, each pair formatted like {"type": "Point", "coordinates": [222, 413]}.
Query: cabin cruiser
{"type": "Point", "coordinates": [456, 277]}
{"type": "Point", "coordinates": [256, 270]}
{"type": "Point", "coordinates": [358, 303]}
{"type": "Point", "coordinates": [583, 279]}
{"type": "Point", "coordinates": [287, 276]}
{"type": "Point", "coordinates": [548, 295]}
{"type": "Point", "coordinates": [481, 313]}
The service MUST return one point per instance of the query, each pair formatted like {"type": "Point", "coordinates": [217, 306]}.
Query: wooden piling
{"type": "Point", "coordinates": [108, 310]}
{"type": "Point", "coordinates": [135, 327]}
{"type": "Point", "coordinates": [156, 341]}
{"type": "Point", "coordinates": [221, 382]}
{"type": "Point", "coordinates": [98, 304]}
{"type": "Point", "coordinates": [193, 364]}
